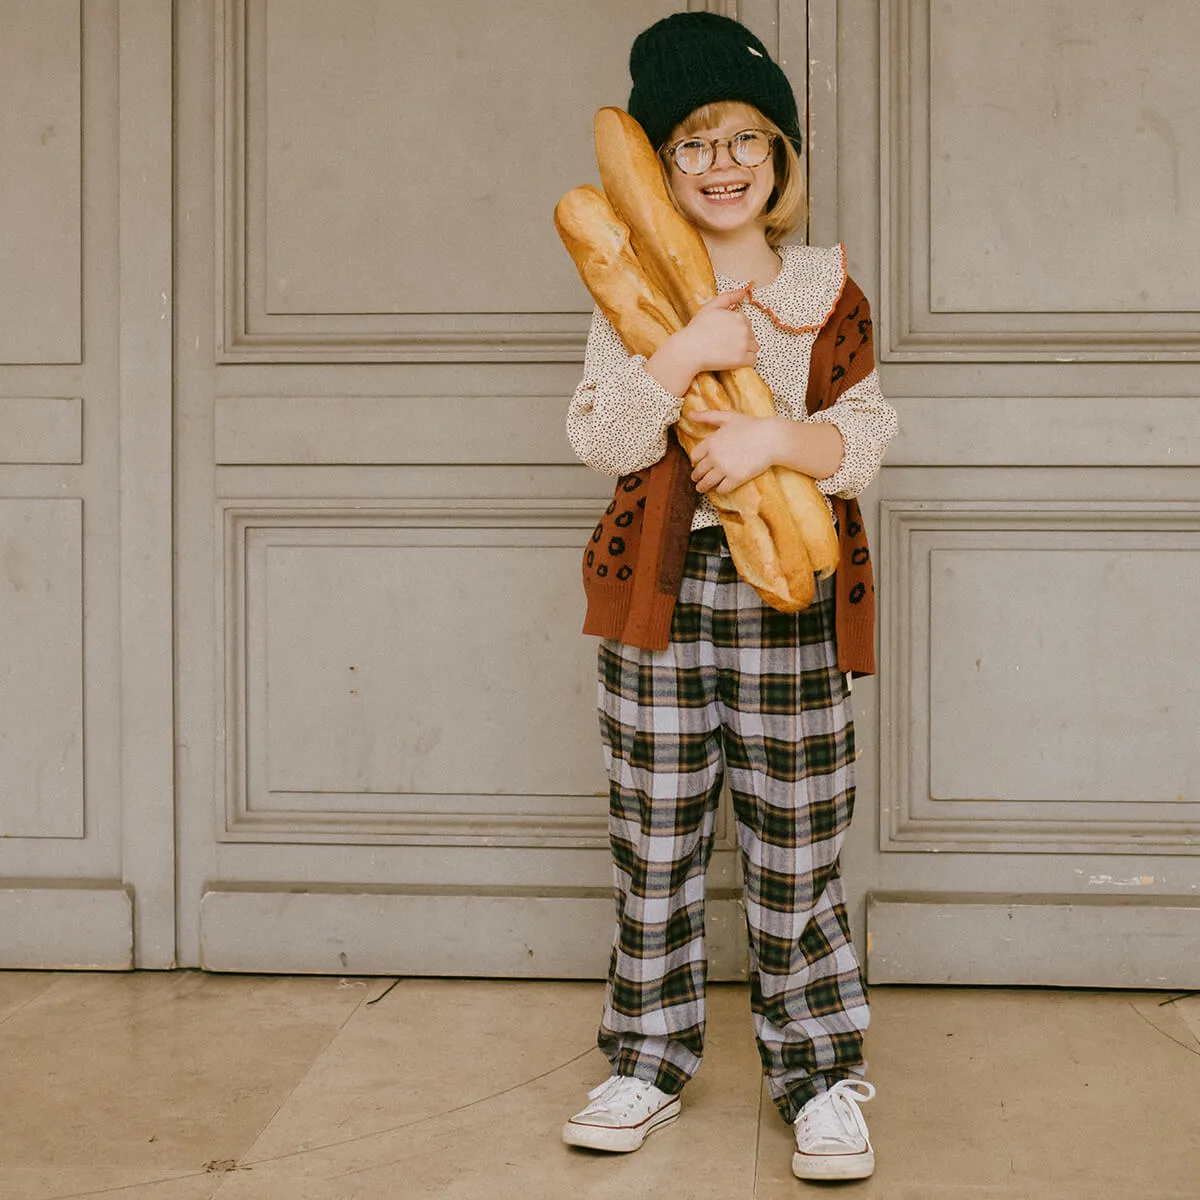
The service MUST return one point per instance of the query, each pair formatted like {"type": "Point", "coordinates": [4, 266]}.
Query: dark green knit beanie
{"type": "Point", "coordinates": [694, 58]}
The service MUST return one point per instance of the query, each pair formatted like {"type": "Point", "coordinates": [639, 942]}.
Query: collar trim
{"type": "Point", "coordinates": [806, 291]}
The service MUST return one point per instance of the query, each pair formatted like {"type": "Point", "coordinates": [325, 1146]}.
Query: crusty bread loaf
{"type": "Point", "coordinates": [669, 247]}
{"type": "Point", "coordinates": [598, 241]}
{"type": "Point", "coordinates": [776, 536]}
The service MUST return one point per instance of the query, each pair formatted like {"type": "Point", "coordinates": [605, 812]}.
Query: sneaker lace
{"type": "Point", "coordinates": [618, 1095]}
{"type": "Point", "coordinates": [834, 1118]}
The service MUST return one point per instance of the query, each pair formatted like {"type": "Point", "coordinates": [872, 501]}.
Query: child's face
{"type": "Point", "coordinates": [728, 196]}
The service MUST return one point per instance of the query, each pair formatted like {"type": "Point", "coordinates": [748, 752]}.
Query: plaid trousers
{"type": "Point", "coordinates": [756, 694]}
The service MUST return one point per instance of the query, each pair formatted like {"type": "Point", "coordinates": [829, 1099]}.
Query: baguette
{"type": "Point", "coordinates": [755, 516]}
{"type": "Point", "coordinates": [675, 260]}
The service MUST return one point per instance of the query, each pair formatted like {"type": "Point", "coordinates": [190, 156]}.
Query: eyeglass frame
{"type": "Point", "coordinates": [668, 152]}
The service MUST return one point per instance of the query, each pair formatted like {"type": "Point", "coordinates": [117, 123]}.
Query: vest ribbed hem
{"type": "Point", "coordinates": [856, 646]}
{"type": "Point", "coordinates": [609, 615]}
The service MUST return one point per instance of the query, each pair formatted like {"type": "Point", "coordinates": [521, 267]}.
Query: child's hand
{"type": "Point", "coordinates": [738, 449]}
{"type": "Point", "coordinates": [719, 336]}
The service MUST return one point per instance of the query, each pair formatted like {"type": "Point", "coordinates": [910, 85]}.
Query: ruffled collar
{"type": "Point", "coordinates": [802, 296]}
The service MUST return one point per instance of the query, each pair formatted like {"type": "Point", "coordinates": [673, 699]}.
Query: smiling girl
{"type": "Point", "coordinates": [703, 683]}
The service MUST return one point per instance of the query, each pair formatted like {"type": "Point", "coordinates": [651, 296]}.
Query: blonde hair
{"type": "Point", "coordinates": [787, 207]}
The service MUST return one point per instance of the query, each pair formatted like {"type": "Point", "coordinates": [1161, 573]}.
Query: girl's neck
{"type": "Point", "coordinates": [743, 254]}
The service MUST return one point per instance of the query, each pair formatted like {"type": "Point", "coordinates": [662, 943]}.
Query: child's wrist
{"type": "Point", "coordinates": [674, 364]}
{"type": "Point", "coordinates": [686, 351]}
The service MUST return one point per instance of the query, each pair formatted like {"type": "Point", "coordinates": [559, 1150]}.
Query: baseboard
{"type": "Point", "coordinates": [1047, 940]}
{"type": "Point", "coordinates": [66, 925]}
{"type": "Point", "coordinates": [506, 933]}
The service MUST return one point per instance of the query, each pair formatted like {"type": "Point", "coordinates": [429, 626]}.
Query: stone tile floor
{"type": "Point", "coordinates": [187, 1086]}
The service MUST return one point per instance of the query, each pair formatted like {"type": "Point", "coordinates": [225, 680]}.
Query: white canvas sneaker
{"type": "Point", "coordinates": [623, 1112]}
{"type": "Point", "coordinates": [831, 1135]}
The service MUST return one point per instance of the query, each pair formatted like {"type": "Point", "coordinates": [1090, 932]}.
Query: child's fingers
{"type": "Point", "coordinates": [728, 300]}
{"type": "Point", "coordinates": [731, 299]}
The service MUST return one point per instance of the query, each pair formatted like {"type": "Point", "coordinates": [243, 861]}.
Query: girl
{"type": "Point", "coordinates": [698, 679]}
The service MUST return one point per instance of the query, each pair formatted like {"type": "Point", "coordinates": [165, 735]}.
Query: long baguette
{"type": "Point", "coordinates": [759, 542]}
{"type": "Point", "coordinates": [675, 260]}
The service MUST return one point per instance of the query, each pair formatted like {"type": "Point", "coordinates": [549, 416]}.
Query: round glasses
{"type": "Point", "coordinates": [694, 155]}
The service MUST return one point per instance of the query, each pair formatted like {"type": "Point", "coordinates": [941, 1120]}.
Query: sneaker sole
{"type": "Point", "coordinates": [833, 1166]}
{"type": "Point", "coordinates": [620, 1141]}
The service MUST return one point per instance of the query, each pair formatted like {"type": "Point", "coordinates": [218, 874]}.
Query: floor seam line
{"type": "Point", "coordinates": [292, 1090]}
{"type": "Point", "coordinates": [22, 1007]}
{"type": "Point", "coordinates": [1163, 1032]}
{"type": "Point", "coordinates": [415, 1121]}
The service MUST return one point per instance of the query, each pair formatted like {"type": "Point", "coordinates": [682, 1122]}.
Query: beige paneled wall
{"type": "Point", "coordinates": [388, 172]}
{"type": "Point", "coordinates": [41, 663]}
{"type": "Point", "coordinates": [42, 565]}
{"type": "Point", "coordinates": [406, 152]}
{"type": "Point", "coordinates": [40, 206]}
{"type": "Point", "coordinates": [1037, 530]}
{"type": "Point", "coordinates": [86, 804]}
{"type": "Point", "coordinates": [1041, 172]}
{"type": "Point", "coordinates": [383, 753]}
{"type": "Point", "coordinates": [404, 676]}
{"type": "Point", "coordinates": [391, 707]}
{"type": "Point", "coordinates": [1081, 117]}
{"type": "Point", "coordinates": [41, 429]}
{"type": "Point", "coordinates": [1036, 706]}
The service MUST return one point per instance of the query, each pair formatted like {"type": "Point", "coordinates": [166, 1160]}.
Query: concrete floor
{"type": "Point", "coordinates": [191, 1087]}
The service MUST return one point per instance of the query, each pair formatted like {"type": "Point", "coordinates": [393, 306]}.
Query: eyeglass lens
{"type": "Point", "coordinates": [694, 156]}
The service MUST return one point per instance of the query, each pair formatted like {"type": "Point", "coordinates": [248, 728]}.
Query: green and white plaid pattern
{"type": "Point", "coordinates": [757, 693]}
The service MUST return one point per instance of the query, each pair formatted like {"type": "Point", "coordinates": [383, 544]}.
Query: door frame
{"type": "Point", "coordinates": [145, 476]}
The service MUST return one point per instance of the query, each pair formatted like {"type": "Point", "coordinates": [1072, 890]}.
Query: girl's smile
{"type": "Point", "coordinates": [723, 193]}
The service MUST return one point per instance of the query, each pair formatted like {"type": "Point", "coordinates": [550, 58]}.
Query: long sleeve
{"type": "Point", "coordinates": [843, 364]}
{"type": "Point", "coordinates": [867, 422]}
{"type": "Point", "coordinates": [618, 419]}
